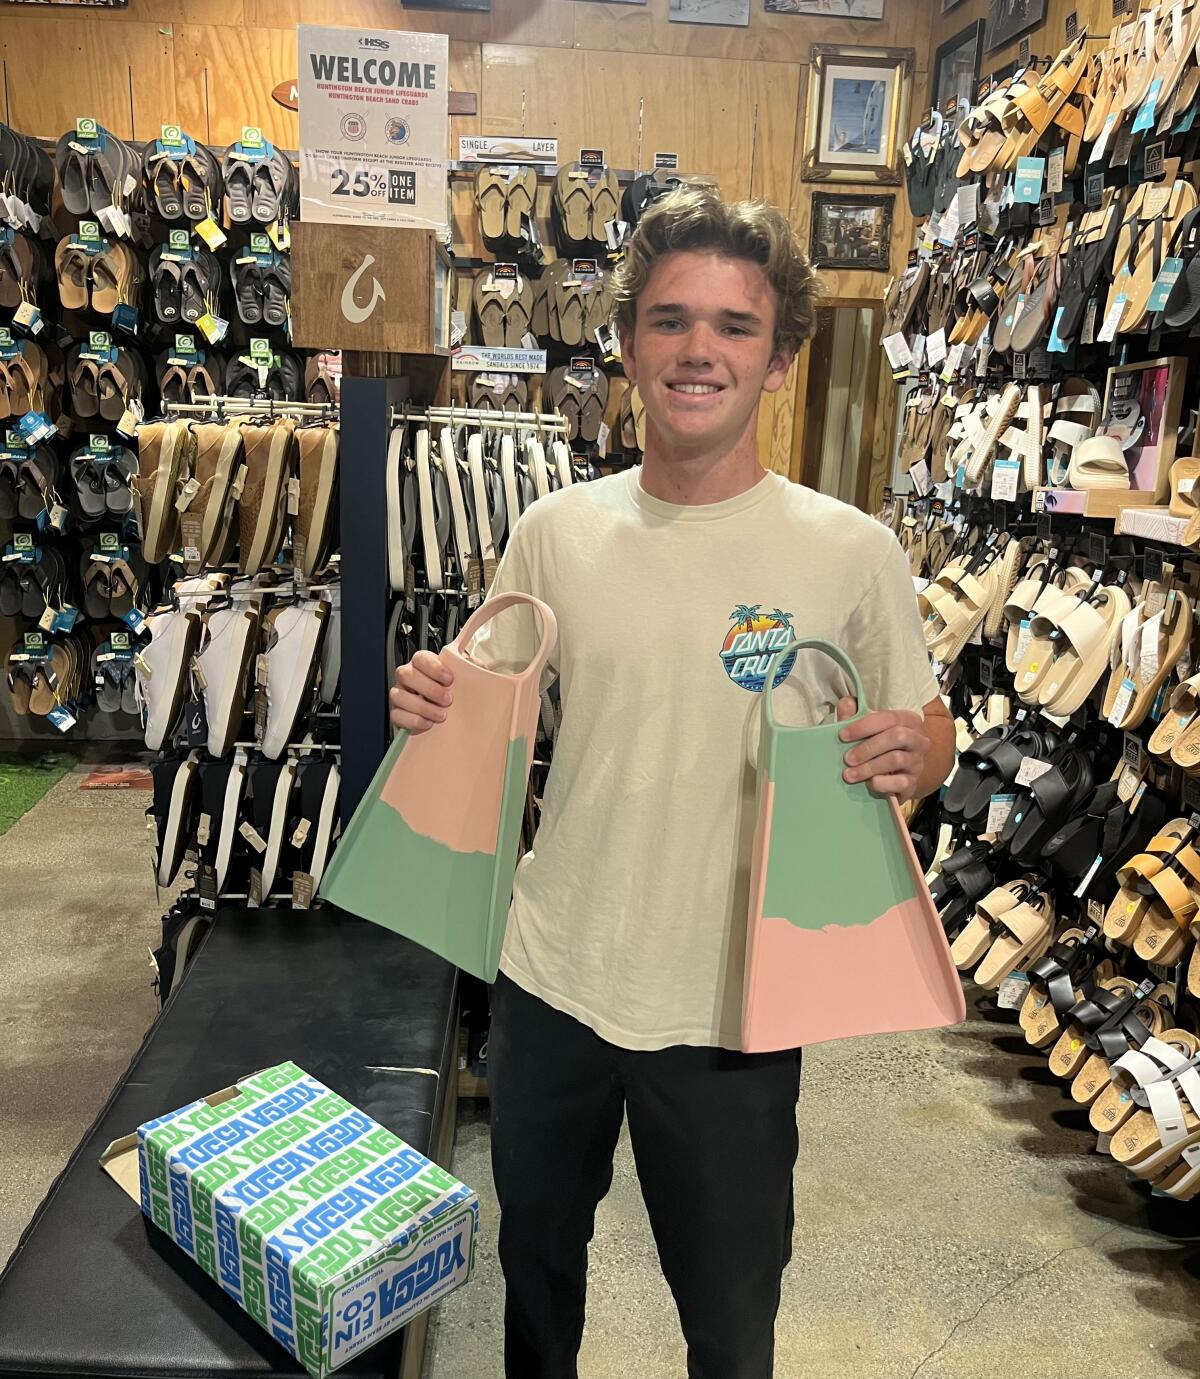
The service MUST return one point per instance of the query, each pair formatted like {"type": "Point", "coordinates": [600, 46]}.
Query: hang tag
{"type": "Point", "coordinates": [262, 668]}
{"type": "Point", "coordinates": [918, 352]}
{"type": "Point", "coordinates": [1054, 171]}
{"type": "Point", "coordinates": [29, 318]}
{"type": "Point", "coordinates": [1125, 697]}
{"type": "Point", "coordinates": [131, 419]}
{"type": "Point", "coordinates": [1167, 278]}
{"type": "Point", "coordinates": [1145, 117]}
{"type": "Point", "coordinates": [134, 620]}
{"type": "Point", "coordinates": [1148, 660]}
{"type": "Point", "coordinates": [953, 362]}
{"type": "Point", "coordinates": [897, 349]}
{"type": "Point", "coordinates": [922, 480]}
{"type": "Point", "coordinates": [1101, 143]}
{"type": "Point", "coordinates": [935, 348]}
{"type": "Point", "coordinates": [1000, 807]}
{"type": "Point", "coordinates": [1031, 769]}
{"type": "Point", "coordinates": [302, 890]}
{"type": "Point", "coordinates": [1024, 637]}
{"type": "Point", "coordinates": [239, 482]}
{"type": "Point", "coordinates": [1030, 174]}
{"type": "Point", "coordinates": [1012, 991]}
{"type": "Point", "coordinates": [213, 328]}
{"type": "Point", "coordinates": [252, 836]}
{"type": "Point", "coordinates": [1108, 330]}
{"type": "Point", "coordinates": [1006, 478]}
{"type": "Point", "coordinates": [211, 233]}
{"type": "Point", "coordinates": [1087, 332]}
{"type": "Point", "coordinates": [254, 896]}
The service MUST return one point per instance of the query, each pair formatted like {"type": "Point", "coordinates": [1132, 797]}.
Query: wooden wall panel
{"type": "Point", "coordinates": [586, 100]}
{"type": "Point", "coordinates": [120, 73]}
{"type": "Point", "coordinates": [1045, 40]}
{"type": "Point", "coordinates": [224, 78]}
{"type": "Point", "coordinates": [767, 38]}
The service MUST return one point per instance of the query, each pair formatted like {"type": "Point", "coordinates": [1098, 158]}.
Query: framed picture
{"type": "Point", "coordinates": [734, 12]}
{"type": "Point", "coordinates": [857, 105]}
{"type": "Point", "coordinates": [956, 67]}
{"type": "Point", "coordinates": [1142, 404]}
{"type": "Point", "coordinates": [1008, 19]}
{"type": "Point", "coordinates": [827, 9]}
{"type": "Point", "coordinates": [851, 231]}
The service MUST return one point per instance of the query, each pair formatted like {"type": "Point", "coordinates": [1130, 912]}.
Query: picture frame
{"type": "Point", "coordinates": [852, 230]}
{"type": "Point", "coordinates": [732, 13]}
{"type": "Point", "coordinates": [857, 106]}
{"type": "Point", "coordinates": [956, 66]}
{"type": "Point", "coordinates": [1142, 404]}
{"type": "Point", "coordinates": [1008, 19]}
{"type": "Point", "coordinates": [827, 9]}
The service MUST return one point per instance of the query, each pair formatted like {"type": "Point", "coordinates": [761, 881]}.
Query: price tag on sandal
{"type": "Point", "coordinates": [186, 494]}
{"type": "Point", "coordinates": [1124, 699]}
{"type": "Point", "coordinates": [1023, 639]}
{"type": "Point", "coordinates": [211, 233]}
{"type": "Point", "coordinates": [293, 497]}
{"type": "Point", "coordinates": [897, 350]}
{"type": "Point", "coordinates": [1011, 993]}
{"type": "Point", "coordinates": [1101, 143]}
{"type": "Point", "coordinates": [921, 478]}
{"type": "Point", "coordinates": [1145, 116]}
{"type": "Point", "coordinates": [213, 328]}
{"type": "Point", "coordinates": [935, 348]}
{"type": "Point", "coordinates": [1030, 174]}
{"type": "Point", "coordinates": [1056, 344]}
{"type": "Point", "coordinates": [1108, 331]}
{"type": "Point", "coordinates": [1054, 171]}
{"type": "Point", "coordinates": [302, 890]}
{"type": "Point", "coordinates": [29, 318]}
{"type": "Point", "coordinates": [1000, 807]}
{"type": "Point", "coordinates": [1006, 477]}
{"type": "Point", "coordinates": [1148, 661]}
{"type": "Point", "coordinates": [1168, 276]}
{"type": "Point", "coordinates": [1031, 769]}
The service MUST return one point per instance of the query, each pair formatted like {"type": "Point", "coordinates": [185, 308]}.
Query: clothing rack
{"type": "Point", "coordinates": [484, 416]}
{"type": "Point", "coordinates": [243, 406]}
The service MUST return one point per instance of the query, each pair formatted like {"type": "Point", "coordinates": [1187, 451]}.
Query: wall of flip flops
{"type": "Point", "coordinates": [1046, 494]}
{"type": "Point", "coordinates": [168, 496]}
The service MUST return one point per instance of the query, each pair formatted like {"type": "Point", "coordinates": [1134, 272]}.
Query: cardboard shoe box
{"type": "Point", "coordinates": [325, 1227]}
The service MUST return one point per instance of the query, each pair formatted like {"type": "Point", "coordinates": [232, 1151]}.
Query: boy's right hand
{"type": "Point", "coordinates": [422, 693]}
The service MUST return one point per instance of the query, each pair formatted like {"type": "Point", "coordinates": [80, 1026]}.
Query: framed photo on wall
{"type": "Point", "coordinates": [956, 66]}
{"type": "Point", "coordinates": [1142, 406]}
{"type": "Point", "coordinates": [851, 231]}
{"type": "Point", "coordinates": [857, 105]}
{"type": "Point", "coordinates": [732, 12]}
{"type": "Point", "coordinates": [1008, 19]}
{"type": "Point", "coordinates": [827, 9]}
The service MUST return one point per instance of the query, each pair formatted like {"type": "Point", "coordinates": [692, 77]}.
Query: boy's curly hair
{"type": "Point", "coordinates": [695, 218]}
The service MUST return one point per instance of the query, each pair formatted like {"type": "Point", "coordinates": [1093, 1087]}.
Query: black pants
{"type": "Point", "coordinates": [714, 1138]}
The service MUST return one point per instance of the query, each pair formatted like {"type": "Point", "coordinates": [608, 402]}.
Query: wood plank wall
{"type": "Point", "coordinates": [729, 101]}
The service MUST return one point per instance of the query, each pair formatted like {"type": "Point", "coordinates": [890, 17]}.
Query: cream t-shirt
{"type": "Point", "coordinates": [629, 912]}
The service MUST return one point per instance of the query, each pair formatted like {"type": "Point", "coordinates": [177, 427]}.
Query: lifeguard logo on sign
{"type": "Point", "coordinates": [751, 643]}
{"type": "Point", "coordinates": [351, 310]}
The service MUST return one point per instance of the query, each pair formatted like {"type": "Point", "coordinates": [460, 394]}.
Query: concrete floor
{"type": "Point", "coordinates": [952, 1221]}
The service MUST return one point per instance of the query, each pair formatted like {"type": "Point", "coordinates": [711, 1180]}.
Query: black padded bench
{"type": "Point", "coordinates": [93, 1288]}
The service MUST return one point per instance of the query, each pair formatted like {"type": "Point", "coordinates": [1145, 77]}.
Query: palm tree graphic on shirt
{"type": "Point", "coordinates": [745, 613]}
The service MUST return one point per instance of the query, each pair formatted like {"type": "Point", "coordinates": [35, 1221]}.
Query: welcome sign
{"type": "Point", "coordinates": [326, 1228]}
{"type": "Point", "coordinates": [374, 110]}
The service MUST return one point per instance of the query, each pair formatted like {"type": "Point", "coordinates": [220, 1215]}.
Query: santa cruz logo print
{"type": "Point", "coordinates": [752, 641]}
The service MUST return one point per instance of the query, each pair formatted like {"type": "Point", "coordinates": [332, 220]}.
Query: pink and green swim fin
{"type": "Point", "coordinates": [842, 938]}
{"type": "Point", "coordinates": [431, 851]}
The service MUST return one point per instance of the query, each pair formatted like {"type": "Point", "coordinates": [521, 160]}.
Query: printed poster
{"type": "Point", "coordinates": [374, 121]}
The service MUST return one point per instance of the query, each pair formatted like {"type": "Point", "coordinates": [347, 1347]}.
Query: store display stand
{"type": "Point", "coordinates": [367, 405]}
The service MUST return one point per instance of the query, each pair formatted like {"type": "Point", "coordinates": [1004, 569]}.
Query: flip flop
{"type": "Point", "coordinates": [573, 201]}
{"type": "Point", "coordinates": [490, 189]}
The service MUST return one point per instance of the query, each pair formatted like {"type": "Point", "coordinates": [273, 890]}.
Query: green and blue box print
{"type": "Point", "coordinates": [326, 1228]}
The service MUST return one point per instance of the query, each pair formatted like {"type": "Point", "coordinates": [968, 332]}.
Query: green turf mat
{"type": "Point", "coordinates": [24, 780]}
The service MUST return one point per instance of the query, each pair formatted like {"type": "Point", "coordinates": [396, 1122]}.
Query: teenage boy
{"type": "Point", "coordinates": [621, 981]}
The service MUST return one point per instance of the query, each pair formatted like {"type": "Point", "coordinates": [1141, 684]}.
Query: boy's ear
{"type": "Point", "coordinates": [777, 370]}
{"type": "Point", "coordinates": [628, 358]}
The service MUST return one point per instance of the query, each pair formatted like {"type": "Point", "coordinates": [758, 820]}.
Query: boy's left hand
{"type": "Point", "coordinates": [890, 751]}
